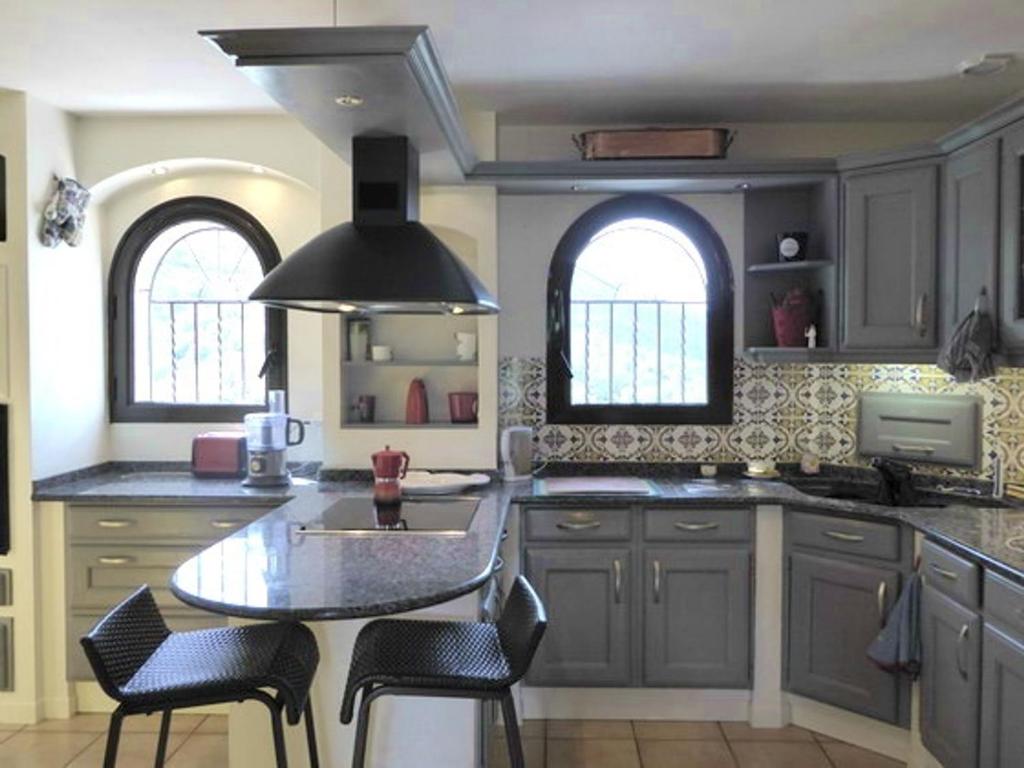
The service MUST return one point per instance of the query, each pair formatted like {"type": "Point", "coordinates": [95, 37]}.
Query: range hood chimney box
{"type": "Point", "coordinates": [384, 261]}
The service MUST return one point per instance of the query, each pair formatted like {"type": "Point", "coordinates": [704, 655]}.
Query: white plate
{"type": "Point", "coordinates": [440, 483]}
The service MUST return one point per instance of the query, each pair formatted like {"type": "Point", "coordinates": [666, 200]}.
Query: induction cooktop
{"type": "Point", "coordinates": [359, 514]}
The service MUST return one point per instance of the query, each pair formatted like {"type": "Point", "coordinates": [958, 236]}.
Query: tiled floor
{"type": "Point", "coordinates": [196, 741]}
{"type": "Point", "coordinates": [639, 744]}
{"type": "Point", "coordinates": [201, 742]}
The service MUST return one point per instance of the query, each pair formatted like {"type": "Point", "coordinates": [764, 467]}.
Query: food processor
{"type": "Point", "coordinates": [267, 437]}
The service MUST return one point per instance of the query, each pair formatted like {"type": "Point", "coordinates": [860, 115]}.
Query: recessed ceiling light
{"type": "Point", "coordinates": [258, 169]}
{"type": "Point", "coordinates": [158, 170]}
{"type": "Point", "coordinates": [989, 64]}
{"type": "Point", "coordinates": [347, 308]}
{"type": "Point", "coordinates": [349, 100]}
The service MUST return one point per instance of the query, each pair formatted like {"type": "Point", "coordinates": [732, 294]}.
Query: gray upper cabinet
{"type": "Point", "coordinates": [950, 679]}
{"type": "Point", "coordinates": [890, 258]}
{"type": "Point", "coordinates": [1002, 737]}
{"type": "Point", "coordinates": [697, 617]}
{"type": "Point", "coordinates": [1011, 304]}
{"type": "Point", "coordinates": [836, 608]}
{"type": "Point", "coordinates": [586, 592]}
{"type": "Point", "coordinates": [970, 227]}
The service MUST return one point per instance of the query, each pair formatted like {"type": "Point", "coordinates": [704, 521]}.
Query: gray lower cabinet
{"type": "Point", "coordinates": [1002, 734]}
{"type": "Point", "coordinates": [890, 258]}
{"type": "Point", "coordinates": [697, 617]}
{"type": "Point", "coordinates": [970, 225]}
{"type": "Point", "coordinates": [950, 679]}
{"type": "Point", "coordinates": [836, 608]}
{"type": "Point", "coordinates": [587, 595]}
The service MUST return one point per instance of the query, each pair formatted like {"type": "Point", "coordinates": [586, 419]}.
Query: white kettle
{"type": "Point", "coordinates": [517, 453]}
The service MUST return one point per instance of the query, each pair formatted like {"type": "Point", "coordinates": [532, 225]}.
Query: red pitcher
{"type": "Point", "coordinates": [389, 467]}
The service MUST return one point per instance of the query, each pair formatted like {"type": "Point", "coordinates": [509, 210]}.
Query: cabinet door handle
{"type": "Point", "coordinates": [571, 526]}
{"type": "Point", "coordinates": [226, 523]}
{"type": "Point", "coordinates": [657, 581]}
{"type": "Point", "coordinates": [115, 522]}
{"type": "Point", "coordinates": [696, 526]}
{"type": "Point", "coordinates": [944, 573]}
{"type": "Point", "coordinates": [617, 568]}
{"type": "Point", "coordinates": [919, 315]}
{"type": "Point", "coordinates": [499, 564]}
{"type": "Point", "coordinates": [882, 588]}
{"type": "Point", "coordinates": [960, 640]}
{"type": "Point", "coordinates": [852, 538]}
{"type": "Point", "coordinates": [115, 559]}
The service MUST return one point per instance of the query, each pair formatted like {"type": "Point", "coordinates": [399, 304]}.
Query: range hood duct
{"type": "Point", "coordinates": [383, 261]}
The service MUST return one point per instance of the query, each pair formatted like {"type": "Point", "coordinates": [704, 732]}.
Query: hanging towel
{"type": "Point", "coordinates": [898, 646]}
{"type": "Point", "coordinates": [967, 355]}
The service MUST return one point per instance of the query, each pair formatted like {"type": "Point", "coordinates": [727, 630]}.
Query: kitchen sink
{"type": "Point", "coordinates": [869, 493]}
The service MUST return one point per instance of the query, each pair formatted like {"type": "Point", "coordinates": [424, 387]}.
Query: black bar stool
{"type": "Point", "coordinates": [147, 668]}
{"type": "Point", "coordinates": [461, 659]}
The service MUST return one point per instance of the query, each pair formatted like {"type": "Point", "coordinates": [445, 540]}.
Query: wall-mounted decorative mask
{"type": "Point", "coordinates": [64, 216]}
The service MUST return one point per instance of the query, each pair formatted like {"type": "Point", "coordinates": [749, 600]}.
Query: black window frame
{"type": "Point", "coordinates": [720, 292]}
{"type": "Point", "coordinates": [133, 244]}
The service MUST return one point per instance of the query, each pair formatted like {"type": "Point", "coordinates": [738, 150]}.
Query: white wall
{"type": "Point", "coordinates": [290, 211]}
{"type": "Point", "coordinates": [752, 140]}
{"type": "Point", "coordinates": [529, 228]}
{"type": "Point", "coordinates": [66, 338]}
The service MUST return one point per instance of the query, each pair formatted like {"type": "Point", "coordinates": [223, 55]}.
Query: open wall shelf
{"type": "Point", "coordinates": [814, 209]}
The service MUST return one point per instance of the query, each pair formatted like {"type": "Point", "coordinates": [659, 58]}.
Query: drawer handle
{"type": "Point", "coordinates": [852, 538]}
{"type": "Point", "coordinates": [925, 450]}
{"type": "Point", "coordinates": [944, 573]}
{"type": "Point", "coordinates": [617, 568]}
{"type": "Point", "coordinates": [696, 526]}
{"type": "Point", "coordinates": [961, 639]}
{"type": "Point", "coordinates": [223, 524]}
{"type": "Point", "coordinates": [112, 522]}
{"type": "Point", "coordinates": [115, 559]}
{"type": "Point", "coordinates": [570, 526]}
{"type": "Point", "coordinates": [657, 581]}
{"type": "Point", "coordinates": [882, 588]}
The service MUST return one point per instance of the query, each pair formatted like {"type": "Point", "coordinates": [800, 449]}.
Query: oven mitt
{"type": "Point", "coordinates": [898, 646]}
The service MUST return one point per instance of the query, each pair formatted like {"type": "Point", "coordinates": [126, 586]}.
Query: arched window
{"type": "Point", "coordinates": [640, 304]}
{"type": "Point", "coordinates": [186, 343]}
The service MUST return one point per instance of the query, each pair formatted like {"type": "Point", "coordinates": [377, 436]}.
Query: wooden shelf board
{"type": "Point", "coordinates": [789, 266]}
{"type": "Point", "coordinates": [403, 425]}
{"type": "Point", "coordinates": [411, 363]}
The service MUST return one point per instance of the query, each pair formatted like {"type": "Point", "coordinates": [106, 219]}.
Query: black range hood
{"type": "Point", "coordinates": [384, 261]}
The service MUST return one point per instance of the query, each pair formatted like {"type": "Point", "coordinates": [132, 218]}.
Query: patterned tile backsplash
{"type": "Point", "coordinates": [780, 412]}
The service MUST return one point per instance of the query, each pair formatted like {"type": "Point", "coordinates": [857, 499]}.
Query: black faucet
{"type": "Point", "coordinates": [896, 486]}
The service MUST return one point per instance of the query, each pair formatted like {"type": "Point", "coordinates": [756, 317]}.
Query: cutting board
{"type": "Point", "coordinates": [597, 486]}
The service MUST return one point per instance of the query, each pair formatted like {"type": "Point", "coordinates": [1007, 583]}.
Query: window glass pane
{"type": "Point", "coordinates": [638, 317]}
{"type": "Point", "coordinates": [196, 338]}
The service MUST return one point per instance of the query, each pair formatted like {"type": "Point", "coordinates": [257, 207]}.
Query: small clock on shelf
{"type": "Point", "coordinates": [792, 246]}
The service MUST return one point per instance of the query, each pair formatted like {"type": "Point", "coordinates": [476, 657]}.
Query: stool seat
{"type": "Point", "coordinates": [146, 668]}
{"type": "Point", "coordinates": [225, 663]}
{"type": "Point", "coordinates": [429, 654]}
{"type": "Point", "coordinates": [478, 660]}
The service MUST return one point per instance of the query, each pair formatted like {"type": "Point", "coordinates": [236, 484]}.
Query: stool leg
{"type": "Point", "coordinates": [113, 737]}
{"type": "Point", "coordinates": [314, 759]}
{"type": "Point", "coordinates": [161, 745]}
{"type": "Point", "coordinates": [515, 746]}
{"type": "Point", "coordinates": [275, 724]}
{"type": "Point", "coordinates": [362, 726]}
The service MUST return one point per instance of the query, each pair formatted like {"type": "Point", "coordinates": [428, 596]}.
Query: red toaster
{"type": "Point", "coordinates": [219, 454]}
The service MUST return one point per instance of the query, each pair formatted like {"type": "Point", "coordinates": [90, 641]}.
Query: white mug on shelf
{"type": "Point", "coordinates": [465, 346]}
{"type": "Point", "coordinates": [380, 353]}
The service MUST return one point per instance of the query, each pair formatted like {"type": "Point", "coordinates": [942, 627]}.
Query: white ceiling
{"type": "Point", "coordinates": [550, 61]}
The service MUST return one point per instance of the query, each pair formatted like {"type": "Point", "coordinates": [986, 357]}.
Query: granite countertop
{"type": "Point", "coordinates": [977, 531]}
{"type": "Point", "coordinates": [270, 570]}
